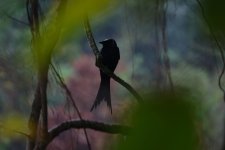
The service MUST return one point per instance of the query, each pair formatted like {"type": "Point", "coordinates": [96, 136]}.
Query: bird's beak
{"type": "Point", "coordinates": [102, 42]}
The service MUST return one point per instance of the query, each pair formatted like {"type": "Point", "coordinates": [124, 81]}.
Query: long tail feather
{"type": "Point", "coordinates": [103, 94]}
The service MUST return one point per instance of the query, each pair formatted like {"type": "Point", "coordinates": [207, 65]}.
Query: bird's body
{"type": "Point", "coordinates": [110, 57]}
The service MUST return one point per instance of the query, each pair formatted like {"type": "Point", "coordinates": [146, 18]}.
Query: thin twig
{"type": "Point", "coordinates": [68, 93]}
{"type": "Point", "coordinates": [15, 19]}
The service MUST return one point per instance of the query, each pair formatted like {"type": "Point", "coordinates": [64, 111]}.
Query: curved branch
{"type": "Point", "coordinates": [79, 124]}
{"type": "Point", "coordinates": [104, 68]}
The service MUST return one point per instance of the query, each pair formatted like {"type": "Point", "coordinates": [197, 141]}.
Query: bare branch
{"type": "Point", "coordinates": [43, 61]}
{"type": "Point", "coordinates": [104, 68]}
{"type": "Point", "coordinates": [78, 124]}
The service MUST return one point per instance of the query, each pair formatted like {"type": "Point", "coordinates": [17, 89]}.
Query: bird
{"type": "Point", "coordinates": [110, 56]}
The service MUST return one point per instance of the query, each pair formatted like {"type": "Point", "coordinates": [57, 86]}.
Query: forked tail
{"type": "Point", "coordinates": [103, 94]}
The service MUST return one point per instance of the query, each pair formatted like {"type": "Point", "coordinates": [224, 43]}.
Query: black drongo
{"type": "Point", "coordinates": [110, 57]}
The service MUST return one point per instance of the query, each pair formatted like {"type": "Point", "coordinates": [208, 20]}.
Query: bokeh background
{"type": "Point", "coordinates": [194, 58]}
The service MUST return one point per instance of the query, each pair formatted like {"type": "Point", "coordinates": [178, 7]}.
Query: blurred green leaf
{"type": "Point", "coordinates": [164, 122]}
{"type": "Point", "coordinates": [215, 13]}
{"type": "Point", "coordinates": [11, 124]}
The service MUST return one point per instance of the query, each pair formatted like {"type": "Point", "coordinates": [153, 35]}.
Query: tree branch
{"type": "Point", "coordinates": [43, 50]}
{"type": "Point", "coordinates": [78, 124]}
{"type": "Point", "coordinates": [34, 118]}
{"type": "Point", "coordinates": [104, 68]}
{"type": "Point", "coordinates": [33, 19]}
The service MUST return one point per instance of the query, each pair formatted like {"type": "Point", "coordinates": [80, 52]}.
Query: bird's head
{"type": "Point", "coordinates": [109, 42]}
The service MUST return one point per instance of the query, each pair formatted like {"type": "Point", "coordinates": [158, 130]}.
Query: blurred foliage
{"type": "Point", "coordinates": [215, 13]}
{"type": "Point", "coordinates": [184, 121]}
{"type": "Point", "coordinates": [66, 18]}
{"type": "Point", "coordinates": [164, 122]}
{"type": "Point", "coordinates": [12, 124]}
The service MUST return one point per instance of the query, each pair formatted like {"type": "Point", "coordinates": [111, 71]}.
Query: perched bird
{"type": "Point", "coordinates": [110, 57]}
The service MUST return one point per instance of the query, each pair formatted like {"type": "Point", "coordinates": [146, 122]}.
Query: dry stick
{"type": "Point", "coordinates": [78, 124]}
{"type": "Point", "coordinates": [63, 85]}
{"type": "Point", "coordinates": [34, 118]}
{"type": "Point", "coordinates": [104, 68]}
